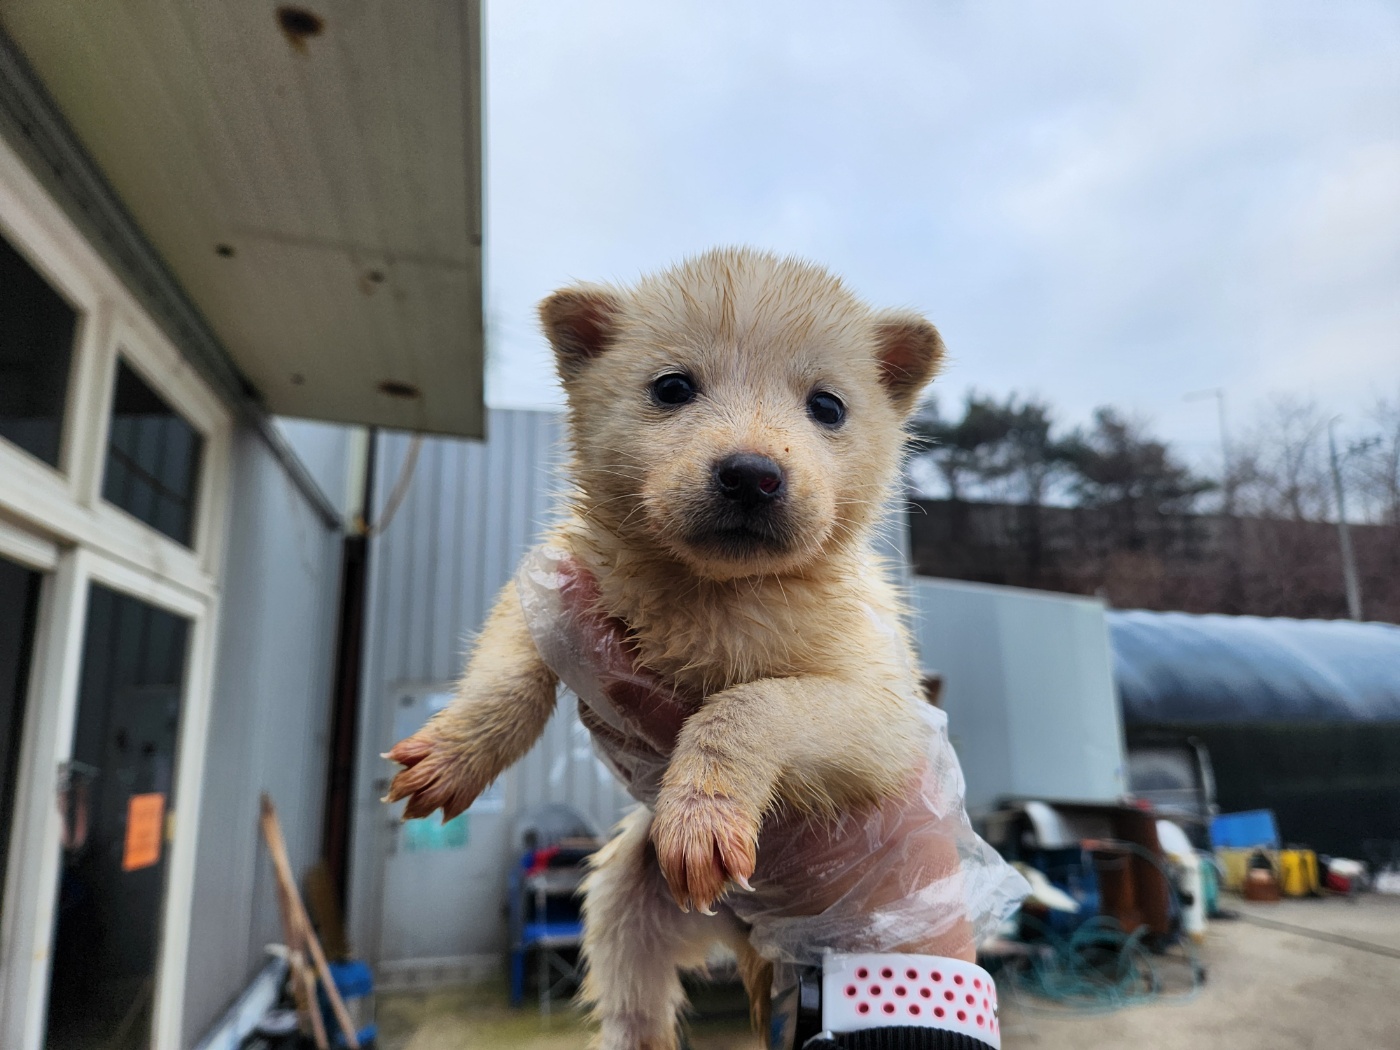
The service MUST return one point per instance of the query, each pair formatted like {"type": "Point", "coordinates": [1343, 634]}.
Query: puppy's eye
{"type": "Point", "coordinates": [674, 388]}
{"type": "Point", "coordinates": [826, 409]}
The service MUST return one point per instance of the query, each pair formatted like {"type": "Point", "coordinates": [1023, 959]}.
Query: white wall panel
{"type": "Point", "coordinates": [269, 720]}
{"type": "Point", "coordinates": [1028, 687]}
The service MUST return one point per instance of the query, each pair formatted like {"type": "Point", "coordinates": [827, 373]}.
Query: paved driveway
{"type": "Point", "coordinates": [1300, 975]}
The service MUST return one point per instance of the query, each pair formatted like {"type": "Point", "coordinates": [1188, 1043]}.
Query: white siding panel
{"type": "Point", "coordinates": [269, 721]}
{"type": "Point", "coordinates": [1028, 688]}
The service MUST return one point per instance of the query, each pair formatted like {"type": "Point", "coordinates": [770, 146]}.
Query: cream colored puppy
{"type": "Point", "coordinates": [737, 425]}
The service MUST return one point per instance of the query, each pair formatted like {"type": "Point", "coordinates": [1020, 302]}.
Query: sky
{"type": "Point", "coordinates": [1097, 203]}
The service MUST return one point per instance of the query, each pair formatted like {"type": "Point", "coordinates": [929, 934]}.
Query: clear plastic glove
{"type": "Point", "coordinates": [909, 875]}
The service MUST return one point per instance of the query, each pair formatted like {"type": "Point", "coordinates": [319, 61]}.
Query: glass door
{"type": "Point", "coordinates": [19, 606]}
{"type": "Point", "coordinates": [116, 801]}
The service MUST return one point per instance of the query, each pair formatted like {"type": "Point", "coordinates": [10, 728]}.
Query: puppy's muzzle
{"type": "Point", "coordinates": [744, 511]}
{"type": "Point", "coordinates": [750, 480]}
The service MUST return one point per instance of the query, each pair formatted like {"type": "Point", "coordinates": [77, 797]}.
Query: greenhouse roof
{"type": "Point", "coordinates": [1184, 668]}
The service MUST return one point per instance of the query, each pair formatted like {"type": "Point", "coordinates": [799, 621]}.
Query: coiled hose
{"type": "Point", "coordinates": [1101, 967]}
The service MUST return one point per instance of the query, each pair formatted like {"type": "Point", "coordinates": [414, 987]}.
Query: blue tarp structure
{"type": "Point", "coordinates": [1182, 668]}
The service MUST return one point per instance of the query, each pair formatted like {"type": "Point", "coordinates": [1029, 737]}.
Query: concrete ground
{"type": "Point", "coordinates": [1299, 975]}
{"type": "Point", "coordinates": [1268, 988]}
{"type": "Point", "coordinates": [479, 1018]}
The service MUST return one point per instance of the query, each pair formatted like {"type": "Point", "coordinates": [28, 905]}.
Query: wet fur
{"type": "Point", "coordinates": [808, 700]}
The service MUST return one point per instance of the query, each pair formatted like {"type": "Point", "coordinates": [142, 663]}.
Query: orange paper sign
{"type": "Point", "coordinates": [145, 822]}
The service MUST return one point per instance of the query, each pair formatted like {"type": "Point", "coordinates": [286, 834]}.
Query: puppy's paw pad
{"type": "Point", "coordinates": [702, 843]}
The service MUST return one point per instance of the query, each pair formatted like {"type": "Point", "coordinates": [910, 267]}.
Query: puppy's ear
{"type": "Point", "coordinates": [581, 323]}
{"type": "Point", "coordinates": [910, 351]}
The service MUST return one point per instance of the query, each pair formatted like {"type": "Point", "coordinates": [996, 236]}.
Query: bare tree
{"type": "Point", "coordinates": [1380, 462]}
{"type": "Point", "coordinates": [1110, 508]}
{"type": "Point", "coordinates": [1282, 465]}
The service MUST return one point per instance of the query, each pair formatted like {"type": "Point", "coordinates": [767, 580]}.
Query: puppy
{"type": "Point", "coordinates": [737, 424]}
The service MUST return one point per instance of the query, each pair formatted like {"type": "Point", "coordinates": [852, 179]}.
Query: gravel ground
{"type": "Point", "coordinates": [1322, 975]}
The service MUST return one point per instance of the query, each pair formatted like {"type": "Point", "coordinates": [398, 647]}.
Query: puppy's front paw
{"type": "Point", "coordinates": [703, 842]}
{"type": "Point", "coordinates": [437, 776]}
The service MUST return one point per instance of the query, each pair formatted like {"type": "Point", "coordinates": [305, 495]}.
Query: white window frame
{"type": "Point", "coordinates": [55, 520]}
{"type": "Point", "coordinates": [25, 548]}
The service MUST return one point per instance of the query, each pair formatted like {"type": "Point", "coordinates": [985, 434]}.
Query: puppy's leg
{"type": "Point", "coordinates": [636, 942]}
{"type": "Point", "coordinates": [821, 744]}
{"type": "Point", "coordinates": [502, 704]}
{"type": "Point", "coordinates": [757, 974]}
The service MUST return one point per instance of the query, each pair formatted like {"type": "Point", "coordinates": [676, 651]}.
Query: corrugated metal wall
{"type": "Point", "coordinates": [472, 511]}
{"type": "Point", "coordinates": [270, 716]}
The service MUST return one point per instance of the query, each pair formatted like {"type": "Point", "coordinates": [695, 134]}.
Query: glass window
{"type": "Point", "coordinates": [115, 803]}
{"type": "Point", "coordinates": [153, 458]}
{"type": "Point", "coordinates": [36, 349]}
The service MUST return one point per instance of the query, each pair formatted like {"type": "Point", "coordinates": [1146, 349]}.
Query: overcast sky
{"type": "Point", "coordinates": [1111, 203]}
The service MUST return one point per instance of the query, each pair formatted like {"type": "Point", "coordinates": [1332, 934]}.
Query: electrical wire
{"type": "Point", "coordinates": [400, 489]}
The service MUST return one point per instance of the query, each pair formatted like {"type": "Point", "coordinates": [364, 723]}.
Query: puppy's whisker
{"type": "Point", "coordinates": [610, 473]}
{"type": "Point", "coordinates": [634, 496]}
{"type": "Point", "coordinates": [641, 505]}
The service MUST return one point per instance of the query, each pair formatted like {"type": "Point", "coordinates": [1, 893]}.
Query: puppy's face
{"type": "Point", "coordinates": [742, 413]}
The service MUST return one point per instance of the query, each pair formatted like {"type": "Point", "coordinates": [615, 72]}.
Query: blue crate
{"type": "Point", "coordinates": [355, 983]}
{"type": "Point", "coordinates": [1255, 827]}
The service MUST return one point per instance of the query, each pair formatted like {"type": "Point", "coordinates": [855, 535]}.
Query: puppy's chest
{"type": "Point", "coordinates": [711, 641]}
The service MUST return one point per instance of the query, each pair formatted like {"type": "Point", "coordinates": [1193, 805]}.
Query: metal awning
{"type": "Point", "coordinates": [311, 176]}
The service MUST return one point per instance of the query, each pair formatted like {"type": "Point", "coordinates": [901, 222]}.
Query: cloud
{"type": "Point", "coordinates": [1099, 203]}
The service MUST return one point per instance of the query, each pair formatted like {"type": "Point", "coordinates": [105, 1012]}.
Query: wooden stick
{"type": "Point", "coordinates": [307, 1016]}
{"type": "Point", "coordinates": [342, 1015]}
{"type": "Point", "coordinates": [291, 937]}
{"type": "Point", "coordinates": [305, 980]}
{"type": "Point", "coordinates": [298, 925]}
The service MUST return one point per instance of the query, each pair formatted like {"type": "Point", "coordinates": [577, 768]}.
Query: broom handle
{"type": "Point", "coordinates": [305, 982]}
{"type": "Point", "coordinates": [277, 847]}
{"type": "Point", "coordinates": [342, 1015]}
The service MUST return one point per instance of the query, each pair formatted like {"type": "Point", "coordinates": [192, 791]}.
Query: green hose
{"type": "Point", "coordinates": [1100, 967]}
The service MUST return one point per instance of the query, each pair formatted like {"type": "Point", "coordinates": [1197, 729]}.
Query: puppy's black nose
{"type": "Point", "coordinates": [749, 478]}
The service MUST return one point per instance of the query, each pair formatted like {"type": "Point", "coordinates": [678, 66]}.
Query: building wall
{"type": "Point", "coordinates": [1028, 688]}
{"type": "Point", "coordinates": [471, 512]}
{"type": "Point", "coordinates": [323, 451]}
{"type": "Point", "coordinates": [270, 717]}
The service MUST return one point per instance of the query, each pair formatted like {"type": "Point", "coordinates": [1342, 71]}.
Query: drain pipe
{"type": "Point", "coordinates": [349, 661]}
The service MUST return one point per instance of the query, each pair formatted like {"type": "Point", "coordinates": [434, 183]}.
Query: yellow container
{"type": "Point", "coordinates": [1297, 871]}
{"type": "Point", "coordinates": [1234, 864]}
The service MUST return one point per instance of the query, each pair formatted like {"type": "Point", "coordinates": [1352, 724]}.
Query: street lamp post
{"type": "Point", "coordinates": [1353, 585]}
